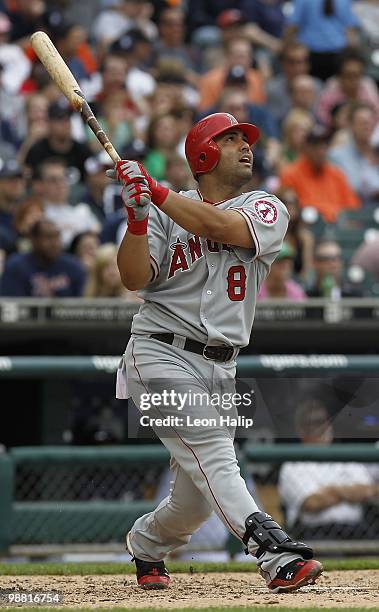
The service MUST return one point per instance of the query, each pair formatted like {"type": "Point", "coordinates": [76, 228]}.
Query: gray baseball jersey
{"type": "Point", "coordinates": [204, 290]}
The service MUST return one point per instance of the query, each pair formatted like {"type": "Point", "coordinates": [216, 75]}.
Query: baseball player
{"type": "Point", "coordinates": [199, 258]}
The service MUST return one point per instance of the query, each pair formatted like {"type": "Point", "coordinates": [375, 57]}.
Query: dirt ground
{"type": "Point", "coordinates": [338, 589]}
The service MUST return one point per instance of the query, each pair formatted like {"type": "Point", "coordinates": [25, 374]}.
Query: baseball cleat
{"type": "Point", "coordinates": [150, 574]}
{"type": "Point", "coordinates": [295, 575]}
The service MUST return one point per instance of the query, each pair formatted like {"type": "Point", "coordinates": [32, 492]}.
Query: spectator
{"type": "Point", "coordinates": [265, 22]}
{"type": "Point", "coordinates": [36, 123]}
{"type": "Point", "coordinates": [326, 27]}
{"type": "Point", "coordinates": [27, 16]}
{"type": "Point", "coordinates": [298, 236]}
{"type": "Point", "coordinates": [84, 247]}
{"type": "Point", "coordinates": [68, 39]}
{"type": "Point", "coordinates": [45, 271]}
{"type": "Point", "coordinates": [324, 499]}
{"type": "Point", "coordinates": [357, 158]}
{"type": "Point", "coordinates": [367, 256]}
{"type": "Point", "coordinates": [12, 190]}
{"type": "Point", "coordinates": [235, 101]}
{"type": "Point", "coordinates": [295, 129]}
{"type": "Point", "coordinates": [55, 189]}
{"type": "Point", "coordinates": [238, 52]}
{"type": "Point", "coordinates": [119, 17]}
{"type": "Point", "coordinates": [116, 120]}
{"type": "Point", "coordinates": [294, 62]}
{"type": "Point", "coordinates": [316, 181]}
{"type": "Point", "coordinates": [100, 195]}
{"type": "Point", "coordinates": [15, 65]}
{"type": "Point", "coordinates": [304, 93]}
{"type": "Point", "coordinates": [59, 143]}
{"type": "Point", "coordinates": [349, 85]}
{"type": "Point", "coordinates": [104, 278]}
{"type": "Point", "coordinates": [279, 283]}
{"type": "Point", "coordinates": [178, 175]}
{"type": "Point", "coordinates": [329, 273]}
{"type": "Point", "coordinates": [171, 43]}
{"type": "Point", "coordinates": [163, 138]}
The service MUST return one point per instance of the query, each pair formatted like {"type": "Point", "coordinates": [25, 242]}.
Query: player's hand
{"type": "Point", "coordinates": [137, 195]}
{"type": "Point", "coordinates": [131, 172]}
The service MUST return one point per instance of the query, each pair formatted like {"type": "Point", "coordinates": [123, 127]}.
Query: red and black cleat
{"type": "Point", "coordinates": [295, 575]}
{"type": "Point", "coordinates": [152, 574]}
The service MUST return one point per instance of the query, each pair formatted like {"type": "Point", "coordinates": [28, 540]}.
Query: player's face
{"type": "Point", "coordinates": [236, 158]}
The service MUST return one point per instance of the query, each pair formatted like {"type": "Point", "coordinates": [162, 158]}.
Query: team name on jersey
{"type": "Point", "coordinates": [184, 254]}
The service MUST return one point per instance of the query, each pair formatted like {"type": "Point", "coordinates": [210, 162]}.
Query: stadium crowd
{"type": "Point", "coordinates": [306, 72]}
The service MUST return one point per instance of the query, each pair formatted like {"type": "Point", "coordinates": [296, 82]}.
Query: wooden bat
{"type": "Point", "coordinates": [63, 77]}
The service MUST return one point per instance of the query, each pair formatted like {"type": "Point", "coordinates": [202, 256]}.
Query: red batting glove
{"type": "Point", "coordinates": [129, 171]}
{"type": "Point", "coordinates": [137, 199]}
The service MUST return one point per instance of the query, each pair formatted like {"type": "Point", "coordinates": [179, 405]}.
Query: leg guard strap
{"type": "Point", "coordinates": [270, 537]}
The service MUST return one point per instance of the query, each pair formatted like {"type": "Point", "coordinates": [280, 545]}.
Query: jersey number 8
{"type": "Point", "coordinates": [236, 283]}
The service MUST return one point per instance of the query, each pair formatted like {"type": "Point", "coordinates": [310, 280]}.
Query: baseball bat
{"type": "Point", "coordinates": [63, 77]}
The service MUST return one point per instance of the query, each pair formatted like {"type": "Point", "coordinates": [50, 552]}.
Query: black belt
{"type": "Point", "coordinates": [215, 353]}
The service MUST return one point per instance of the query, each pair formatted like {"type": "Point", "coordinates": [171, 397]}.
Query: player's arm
{"type": "Point", "coordinates": [197, 218]}
{"type": "Point", "coordinates": [133, 257]}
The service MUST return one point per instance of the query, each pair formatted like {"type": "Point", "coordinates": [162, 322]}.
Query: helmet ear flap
{"type": "Point", "coordinates": [209, 157]}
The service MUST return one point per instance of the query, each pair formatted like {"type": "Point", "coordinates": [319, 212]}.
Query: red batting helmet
{"type": "Point", "coordinates": [202, 152]}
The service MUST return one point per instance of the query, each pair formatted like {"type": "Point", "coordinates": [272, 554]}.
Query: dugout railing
{"type": "Point", "coordinates": [36, 515]}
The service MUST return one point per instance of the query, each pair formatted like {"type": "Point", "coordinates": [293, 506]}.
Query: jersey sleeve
{"type": "Point", "coordinates": [267, 219]}
{"type": "Point", "coordinates": [157, 235]}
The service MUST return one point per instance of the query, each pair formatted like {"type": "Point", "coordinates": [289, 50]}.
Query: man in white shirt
{"type": "Point", "coordinates": [324, 498]}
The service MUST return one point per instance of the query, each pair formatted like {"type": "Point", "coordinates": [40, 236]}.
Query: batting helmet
{"type": "Point", "coordinates": [202, 152]}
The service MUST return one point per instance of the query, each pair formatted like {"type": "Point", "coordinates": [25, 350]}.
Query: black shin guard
{"type": "Point", "coordinates": [270, 537]}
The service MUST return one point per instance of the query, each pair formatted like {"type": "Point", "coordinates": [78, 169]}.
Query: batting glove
{"type": "Point", "coordinates": [129, 171]}
{"type": "Point", "coordinates": [137, 200]}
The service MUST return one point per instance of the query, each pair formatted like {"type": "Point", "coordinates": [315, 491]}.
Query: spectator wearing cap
{"type": "Point", "coordinates": [357, 157]}
{"type": "Point", "coordinates": [69, 38]}
{"type": "Point", "coordinates": [59, 142]}
{"type": "Point", "coordinates": [202, 16]}
{"type": "Point", "coordinates": [316, 181]}
{"type": "Point", "coordinates": [55, 194]}
{"type": "Point", "coordinates": [12, 190]}
{"type": "Point", "coordinates": [102, 197]}
{"type": "Point", "coordinates": [45, 271]}
{"type": "Point", "coordinates": [294, 61]}
{"type": "Point", "coordinates": [279, 283]}
{"type": "Point", "coordinates": [27, 17]}
{"type": "Point", "coordinates": [350, 84]}
{"type": "Point", "coordinates": [327, 28]}
{"type": "Point", "coordinates": [237, 52]}
{"type": "Point", "coordinates": [15, 65]}
{"type": "Point", "coordinates": [136, 48]}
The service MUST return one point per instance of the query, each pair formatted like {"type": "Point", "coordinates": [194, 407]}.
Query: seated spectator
{"type": "Point", "coordinates": [12, 190]}
{"type": "Point", "coordinates": [367, 256]}
{"type": "Point", "coordinates": [326, 27]}
{"type": "Point", "coordinates": [304, 93]}
{"type": "Point", "coordinates": [238, 52]}
{"type": "Point", "coordinates": [104, 278]}
{"type": "Point", "coordinates": [100, 195]}
{"type": "Point", "coordinates": [294, 60]}
{"type": "Point", "coordinates": [55, 194]}
{"type": "Point", "coordinates": [170, 45]}
{"type": "Point", "coordinates": [324, 499]}
{"type": "Point", "coordinates": [279, 283]}
{"type": "Point", "coordinates": [15, 65]}
{"type": "Point", "coordinates": [36, 123]}
{"type": "Point", "coordinates": [329, 273]}
{"type": "Point", "coordinates": [357, 158]}
{"type": "Point", "coordinates": [27, 16]}
{"type": "Point", "coordinates": [59, 142]}
{"type": "Point", "coordinates": [265, 23]}
{"type": "Point", "coordinates": [84, 247]}
{"type": "Point", "coordinates": [316, 181]}
{"type": "Point", "coordinates": [68, 38]}
{"type": "Point", "coordinates": [118, 17]}
{"type": "Point", "coordinates": [116, 120]}
{"type": "Point", "coordinates": [44, 272]}
{"type": "Point", "coordinates": [349, 85]}
{"type": "Point", "coordinates": [298, 236]}
{"type": "Point", "coordinates": [162, 139]}
{"type": "Point", "coordinates": [295, 128]}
